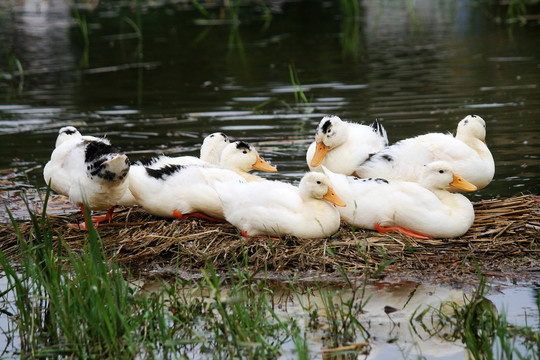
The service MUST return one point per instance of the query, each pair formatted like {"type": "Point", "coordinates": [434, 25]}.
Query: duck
{"type": "Point", "coordinates": [276, 208]}
{"type": "Point", "coordinates": [87, 169]}
{"type": "Point", "coordinates": [467, 153]}
{"type": "Point", "coordinates": [241, 157]}
{"type": "Point", "coordinates": [422, 210]}
{"type": "Point", "coordinates": [182, 191]}
{"type": "Point", "coordinates": [342, 146]}
{"type": "Point", "coordinates": [210, 153]}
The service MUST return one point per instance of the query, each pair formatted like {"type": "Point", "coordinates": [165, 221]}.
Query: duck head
{"type": "Point", "coordinates": [213, 146]}
{"type": "Point", "coordinates": [317, 185]}
{"type": "Point", "coordinates": [471, 127]}
{"type": "Point", "coordinates": [241, 156]}
{"type": "Point", "coordinates": [67, 133]}
{"type": "Point", "coordinates": [439, 175]}
{"type": "Point", "coordinates": [330, 133]}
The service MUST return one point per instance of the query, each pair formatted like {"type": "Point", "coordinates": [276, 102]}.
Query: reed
{"type": "Point", "coordinates": [78, 301]}
{"type": "Point", "coordinates": [485, 332]}
{"type": "Point", "coordinates": [83, 25]}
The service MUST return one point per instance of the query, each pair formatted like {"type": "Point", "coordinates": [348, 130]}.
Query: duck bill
{"type": "Point", "coordinates": [320, 152]}
{"type": "Point", "coordinates": [333, 198]}
{"type": "Point", "coordinates": [262, 165]}
{"type": "Point", "coordinates": [460, 183]}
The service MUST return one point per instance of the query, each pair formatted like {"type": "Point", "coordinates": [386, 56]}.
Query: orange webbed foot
{"type": "Point", "coordinates": [401, 230]}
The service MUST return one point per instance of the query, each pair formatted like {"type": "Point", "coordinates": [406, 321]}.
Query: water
{"type": "Point", "coordinates": [397, 335]}
{"type": "Point", "coordinates": [418, 69]}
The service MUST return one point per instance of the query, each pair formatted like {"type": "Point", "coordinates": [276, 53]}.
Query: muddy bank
{"type": "Point", "coordinates": [503, 241]}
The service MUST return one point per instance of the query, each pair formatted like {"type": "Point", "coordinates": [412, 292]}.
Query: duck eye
{"type": "Point", "coordinates": [244, 152]}
{"type": "Point", "coordinates": [441, 171]}
{"type": "Point", "coordinates": [318, 182]}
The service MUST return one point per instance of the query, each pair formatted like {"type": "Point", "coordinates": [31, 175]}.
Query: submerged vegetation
{"type": "Point", "coordinates": [82, 303]}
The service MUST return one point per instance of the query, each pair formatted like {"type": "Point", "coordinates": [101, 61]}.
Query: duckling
{"type": "Point", "coordinates": [276, 208]}
{"type": "Point", "coordinates": [87, 169]}
{"type": "Point", "coordinates": [422, 210]}
{"type": "Point", "coordinates": [210, 153]}
{"type": "Point", "coordinates": [181, 191]}
{"type": "Point", "coordinates": [467, 153]}
{"type": "Point", "coordinates": [342, 146]}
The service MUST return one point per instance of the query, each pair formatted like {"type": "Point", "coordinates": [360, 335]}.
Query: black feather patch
{"type": "Point", "coordinates": [377, 180]}
{"type": "Point", "coordinates": [147, 161]}
{"type": "Point", "coordinates": [69, 131]}
{"type": "Point", "coordinates": [387, 158]}
{"type": "Point", "coordinates": [96, 149]}
{"type": "Point", "coordinates": [165, 171]}
{"type": "Point", "coordinates": [242, 145]}
{"type": "Point", "coordinates": [327, 126]}
{"type": "Point", "coordinates": [99, 168]}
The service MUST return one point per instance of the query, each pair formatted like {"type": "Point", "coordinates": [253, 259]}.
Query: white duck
{"type": "Point", "coordinates": [188, 190]}
{"type": "Point", "coordinates": [420, 210]}
{"type": "Point", "coordinates": [210, 153]}
{"type": "Point", "coordinates": [277, 208]}
{"type": "Point", "coordinates": [241, 158]}
{"type": "Point", "coordinates": [467, 153]}
{"type": "Point", "coordinates": [87, 168]}
{"type": "Point", "coordinates": [342, 146]}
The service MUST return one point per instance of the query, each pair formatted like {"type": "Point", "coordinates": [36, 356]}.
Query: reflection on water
{"type": "Point", "coordinates": [419, 67]}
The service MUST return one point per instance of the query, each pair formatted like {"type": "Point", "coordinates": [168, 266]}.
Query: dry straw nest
{"type": "Point", "coordinates": [503, 241]}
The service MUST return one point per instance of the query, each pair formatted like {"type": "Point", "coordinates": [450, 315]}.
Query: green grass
{"type": "Point", "coordinates": [485, 332]}
{"type": "Point", "coordinates": [83, 304]}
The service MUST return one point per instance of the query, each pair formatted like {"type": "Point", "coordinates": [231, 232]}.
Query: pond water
{"type": "Point", "coordinates": [396, 334]}
{"type": "Point", "coordinates": [159, 77]}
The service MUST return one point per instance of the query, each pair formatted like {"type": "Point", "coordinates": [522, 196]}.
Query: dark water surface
{"type": "Point", "coordinates": [161, 77]}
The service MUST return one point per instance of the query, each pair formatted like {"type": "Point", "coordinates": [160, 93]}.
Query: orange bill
{"type": "Point", "coordinates": [462, 184]}
{"type": "Point", "coordinates": [320, 152]}
{"type": "Point", "coordinates": [262, 165]}
{"type": "Point", "coordinates": [333, 198]}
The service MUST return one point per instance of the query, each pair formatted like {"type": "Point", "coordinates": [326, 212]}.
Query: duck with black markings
{"type": "Point", "coordinates": [87, 169]}
{"type": "Point", "coordinates": [467, 153]}
{"type": "Point", "coordinates": [342, 146]}
{"type": "Point", "coordinates": [181, 191]}
{"type": "Point", "coordinates": [423, 210]}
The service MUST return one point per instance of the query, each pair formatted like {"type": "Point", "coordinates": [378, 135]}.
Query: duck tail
{"type": "Point", "coordinates": [116, 168]}
{"type": "Point", "coordinates": [381, 131]}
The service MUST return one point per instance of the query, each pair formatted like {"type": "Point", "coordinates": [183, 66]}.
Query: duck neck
{"type": "Point", "coordinates": [452, 201]}
{"type": "Point", "coordinates": [477, 145]}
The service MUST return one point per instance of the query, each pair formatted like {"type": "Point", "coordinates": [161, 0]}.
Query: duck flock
{"type": "Point", "coordinates": [411, 187]}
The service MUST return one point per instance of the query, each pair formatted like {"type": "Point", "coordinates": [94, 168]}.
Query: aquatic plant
{"type": "Point", "coordinates": [14, 69]}
{"type": "Point", "coordinates": [81, 305]}
{"type": "Point", "coordinates": [83, 25]}
{"type": "Point", "coordinates": [485, 332]}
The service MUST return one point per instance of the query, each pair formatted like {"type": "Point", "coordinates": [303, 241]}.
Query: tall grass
{"type": "Point", "coordinates": [485, 332]}
{"type": "Point", "coordinates": [83, 25]}
{"type": "Point", "coordinates": [83, 304]}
